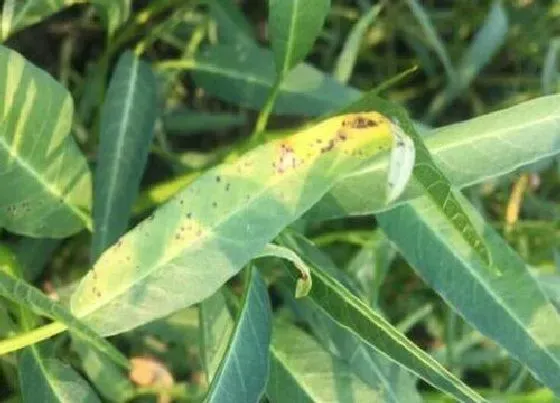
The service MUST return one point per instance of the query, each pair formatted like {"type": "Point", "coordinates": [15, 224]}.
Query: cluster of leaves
{"type": "Point", "coordinates": [171, 77]}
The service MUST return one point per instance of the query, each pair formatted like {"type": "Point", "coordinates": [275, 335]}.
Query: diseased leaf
{"type": "Point", "coordinates": [426, 172]}
{"type": "Point", "coordinates": [223, 219]}
{"type": "Point", "coordinates": [127, 126]}
{"type": "Point", "coordinates": [463, 151]}
{"type": "Point", "coordinates": [47, 176]}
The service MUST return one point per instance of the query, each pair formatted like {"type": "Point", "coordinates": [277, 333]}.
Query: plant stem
{"type": "Point", "coordinates": [28, 338]}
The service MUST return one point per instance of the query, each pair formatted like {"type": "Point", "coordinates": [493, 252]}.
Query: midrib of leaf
{"type": "Point", "coordinates": [291, 36]}
{"type": "Point", "coordinates": [211, 231]}
{"type": "Point", "coordinates": [51, 189]}
{"type": "Point", "coordinates": [115, 162]}
{"type": "Point", "coordinates": [497, 133]}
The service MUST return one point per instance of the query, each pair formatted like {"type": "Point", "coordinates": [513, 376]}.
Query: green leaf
{"type": "Point", "coordinates": [21, 293]}
{"type": "Point", "coordinates": [30, 12]}
{"type": "Point", "coordinates": [349, 55]}
{"type": "Point", "coordinates": [304, 282]}
{"type": "Point", "coordinates": [222, 220]}
{"type": "Point", "coordinates": [462, 152]}
{"type": "Point", "coordinates": [245, 76]}
{"type": "Point", "coordinates": [184, 121]}
{"type": "Point", "coordinates": [293, 26]}
{"type": "Point", "coordinates": [509, 307]}
{"type": "Point", "coordinates": [551, 68]}
{"type": "Point", "coordinates": [390, 380]}
{"type": "Point", "coordinates": [350, 312]}
{"type": "Point", "coordinates": [8, 10]}
{"type": "Point", "coordinates": [127, 126]}
{"type": "Point", "coordinates": [485, 44]}
{"type": "Point", "coordinates": [243, 372]}
{"type": "Point", "coordinates": [43, 378]}
{"type": "Point", "coordinates": [107, 378]}
{"type": "Point", "coordinates": [426, 172]}
{"type": "Point", "coordinates": [216, 327]}
{"type": "Point", "coordinates": [431, 36]}
{"type": "Point", "coordinates": [113, 12]}
{"type": "Point", "coordinates": [48, 177]}
{"type": "Point", "coordinates": [33, 254]}
{"type": "Point", "coordinates": [302, 371]}
{"type": "Point", "coordinates": [233, 27]}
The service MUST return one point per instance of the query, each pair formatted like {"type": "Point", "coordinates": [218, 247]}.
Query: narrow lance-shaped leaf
{"type": "Point", "coordinates": [293, 27]}
{"type": "Point", "coordinates": [246, 75]}
{"type": "Point", "coordinates": [484, 45]}
{"type": "Point", "coordinates": [44, 378]}
{"type": "Point", "coordinates": [349, 311]}
{"type": "Point", "coordinates": [509, 307]}
{"type": "Point", "coordinates": [243, 372]}
{"type": "Point", "coordinates": [216, 326]}
{"type": "Point", "coordinates": [21, 293]}
{"type": "Point", "coordinates": [222, 220]}
{"type": "Point", "coordinates": [46, 183]}
{"type": "Point", "coordinates": [233, 27]}
{"type": "Point", "coordinates": [110, 380]}
{"type": "Point", "coordinates": [127, 125]}
{"type": "Point", "coordinates": [302, 371]}
{"type": "Point", "coordinates": [551, 68]}
{"type": "Point", "coordinates": [349, 55]}
{"type": "Point", "coordinates": [393, 383]}
{"type": "Point", "coordinates": [431, 36]}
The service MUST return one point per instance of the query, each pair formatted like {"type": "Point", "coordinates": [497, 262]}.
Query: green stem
{"type": "Point", "coordinates": [265, 112]}
{"type": "Point", "coordinates": [32, 337]}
